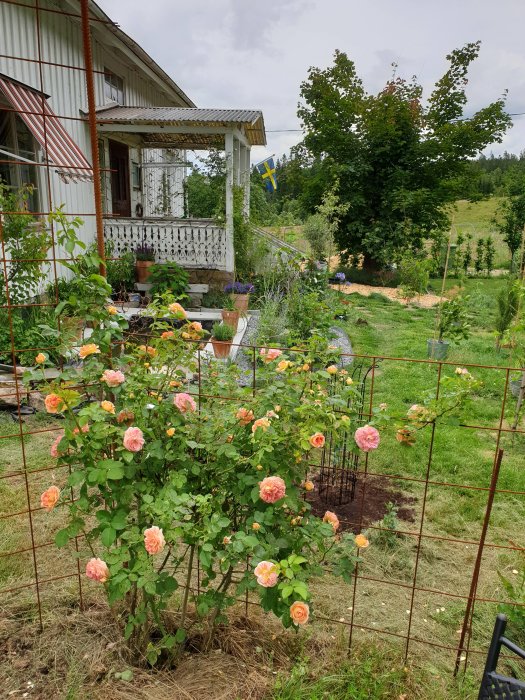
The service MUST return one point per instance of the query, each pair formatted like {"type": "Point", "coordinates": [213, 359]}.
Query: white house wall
{"type": "Point", "coordinates": [61, 42]}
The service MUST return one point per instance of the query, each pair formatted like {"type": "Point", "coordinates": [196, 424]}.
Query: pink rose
{"type": "Point", "coordinates": [331, 518]}
{"type": "Point", "coordinates": [272, 489]}
{"type": "Point", "coordinates": [317, 440]}
{"type": "Point", "coordinates": [54, 447]}
{"type": "Point", "coordinates": [112, 377]}
{"type": "Point", "coordinates": [97, 570]}
{"type": "Point", "coordinates": [185, 403]}
{"type": "Point", "coordinates": [83, 429]}
{"type": "Point", "coordinates": [367, 438]}
{"type": "Point", "coordinates": [133, 439]}
{"type": "Point", "coordinates": [266, 573]}
{"type": "Point", "coordinates": [154, 540]}
{"type": "Point", "coordinates": [273, 354]}
{"type": "Point", "coordinates": [49, 498]}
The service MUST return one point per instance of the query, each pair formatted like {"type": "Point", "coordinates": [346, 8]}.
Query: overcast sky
{"type": "Point", "coordinates": [247, 54]}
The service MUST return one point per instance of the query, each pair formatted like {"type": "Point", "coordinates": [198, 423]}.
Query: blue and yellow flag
{"type": "Point", "coordinates": [267, 170]}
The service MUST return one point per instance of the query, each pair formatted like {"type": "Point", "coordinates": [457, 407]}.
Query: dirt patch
{"type": "Point", "coordinates": [368, 506]}
{"type": "Point", "coordinates": [425, 301]}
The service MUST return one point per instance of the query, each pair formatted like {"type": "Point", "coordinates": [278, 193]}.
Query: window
{"type": "Point", "coordinates": [113, 87]}
{"type": "Point", "coordinates": [17, 145]}
{"type": "Point", "coordinates": [136, 180]}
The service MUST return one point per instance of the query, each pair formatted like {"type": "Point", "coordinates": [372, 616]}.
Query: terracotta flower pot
{"type": "Point", "coordinates": [221, 348]}
{"type": "Point", "coordinates": [240, 301]}
{"type": "Point", "coordinates": [231, 318]}
{"type": "Point", "coordinates": [142, 270]}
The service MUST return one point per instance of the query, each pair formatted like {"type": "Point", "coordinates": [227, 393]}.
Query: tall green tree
{"type": "Point", "coordinates": [399, 160]}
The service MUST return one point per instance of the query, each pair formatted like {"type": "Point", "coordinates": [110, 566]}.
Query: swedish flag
{"type": "Point", "coordinates": [267, 170]}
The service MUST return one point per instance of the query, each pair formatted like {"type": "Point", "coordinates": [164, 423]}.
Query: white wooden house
{"type": "Point", "coordinates": [145, 124]}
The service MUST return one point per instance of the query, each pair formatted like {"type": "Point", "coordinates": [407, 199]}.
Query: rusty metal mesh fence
{"type": "Point", "coordinates": [429, 581]}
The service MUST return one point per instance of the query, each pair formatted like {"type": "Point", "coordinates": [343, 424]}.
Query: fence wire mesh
{"type": "Point", "coordinates": [428, 582]}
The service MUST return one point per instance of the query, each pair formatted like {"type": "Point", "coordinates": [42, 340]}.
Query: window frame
{"type": "Point", "coordinates": [114, 87]}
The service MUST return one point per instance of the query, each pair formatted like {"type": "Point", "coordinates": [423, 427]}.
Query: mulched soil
{"type": "Point", "coordinates": [368, 506]}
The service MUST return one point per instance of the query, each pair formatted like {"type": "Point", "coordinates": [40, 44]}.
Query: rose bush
{"type": "Point", "coordinates": [164, 476]}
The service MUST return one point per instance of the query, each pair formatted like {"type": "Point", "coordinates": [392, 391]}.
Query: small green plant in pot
{"type": "Point", "coordinates": [230, 315]}
{"type": "Point", "coordinates": [222, 336]}
{"type": "Point", "coordinates": [452, 325]}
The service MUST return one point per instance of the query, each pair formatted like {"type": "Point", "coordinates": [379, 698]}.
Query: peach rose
{"type": "Point", "coordinates": [244, 416]}
{"type": "Point", "coordinates": [331, 518]}
{"type": "Point", "coordinates": [299, 612]}
{"type": "Point", "coordinates": [133, 439]}
{"type": "Point", "coordinates": [271, 414]}
{"type": "Point", "coordinates": [272, 489]}
{"type": "Point", "coordinates": [266, 574]}
{"type": "Point", "coordinates": [262, 423]}
{"type": "Point", "coordinates": [97, 570]}
{"type": "Point", "coordinates": [406, 435]}
{"type": "Point", "coordinates": [271, 354]}
{"type": "Point", "coordinates": [332, 369]}
{"type": "Point", "coordinates": [54, 447]}
{"type": "Point", "coordinates": [87, 350]}
{"type": "Point", "coordinates": [361, 541]}
{"type": "Point", "coordinates": [83, 429]}
{"type": "Point", "coordinates": [317, 440]}
{"type": "Point", "coordinates": [125, 417]}
{"type": "Point", "coordinates": [154, 540]}
{"type": "Point", "coordinates": [113, 377]}
{"type": "Point", "coordinates": [54, 404]}
{"type": "Point", "coordinates": [170, 432]}
{"type": "Point", "coordinates": [226, 540]}
{"type": "Point", "coordinates": [112, 310]}
{"type": "Point", "coordinates": [108, 406]}
{"type": "Point", "coordinates": [40, 358]}
{"type": "Point", "coordinates": [185, 403]}
{"type": "Point", "coordinates": [49, 498]}
{"type": "Point", "coordinates": [148, 350]}
{"type": "Point", "coordinates": [256, 526]}
{"type": "Point", "coordinates": [167, 334]}
{"type": "Point", "coordinates": [178, 310]}
{"type": "Point", "coordinates": [367, 438]}
{"type": "Point", "coordinates": [308, 485]}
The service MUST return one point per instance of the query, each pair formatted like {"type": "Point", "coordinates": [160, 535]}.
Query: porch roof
{"type": "Point", "coordinates": [183, 127]}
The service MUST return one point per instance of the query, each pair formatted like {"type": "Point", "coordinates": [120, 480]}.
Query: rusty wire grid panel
{"type": "Point", "coordinates": [337, 474]}
{"type": "Point", "coordinates": [430, 563]}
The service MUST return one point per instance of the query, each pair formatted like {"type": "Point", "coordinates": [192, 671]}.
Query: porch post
{"type": "Point", "coordinates": [237, 161]}
{"type": "Point", "coordinates": [246, 172]}
{"type": "Point", "coordinates": [228, 152]}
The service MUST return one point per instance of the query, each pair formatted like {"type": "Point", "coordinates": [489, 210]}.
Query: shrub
{"type": "Point", "coordinates": [120, 273]}
{"type": "Point", "coordinates": [169, 277]}
{"type": "Point", "coordinates": [316, 230]}
{"type": "Point", "coordinates": [414, 274]}
{"type": "Point", "coordinates": [453, 319]}
{"type": "Point", "coordinates": [508, 305]}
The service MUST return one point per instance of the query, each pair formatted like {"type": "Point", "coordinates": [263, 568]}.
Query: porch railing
{"type": "Point", "coordinates": [192, 243]}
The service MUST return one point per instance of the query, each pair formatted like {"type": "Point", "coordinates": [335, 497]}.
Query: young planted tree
{"type": "Point", "coordinates": [399, 159]}
{"type": "Point", "coordinates": [511, 223]}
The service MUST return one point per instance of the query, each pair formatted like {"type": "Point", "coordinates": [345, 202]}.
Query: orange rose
{"type": "Point", "coordinates": [40, 358]}
{"type": "Point", "coordinates": [87, 350]}
{"type": "Point", "coordinates": [317, 440]}
{"type": "Point", "coordinates": [361, 541]}
{"type": "Point", "coordinates": [54, 404]}
{"type": "Point", "coordinates": [308, 485]}
{"type": "Point", "coordinates": [108, 406]}
{"type": "Point", "coordinates": [170, 432]}
{"type": "Point", "coordinates": [299, 612]}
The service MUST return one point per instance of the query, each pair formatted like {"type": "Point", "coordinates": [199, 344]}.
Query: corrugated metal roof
{"type": "Point", "coordinates": [249, 120]}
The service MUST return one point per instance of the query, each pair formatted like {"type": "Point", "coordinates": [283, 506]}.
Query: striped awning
{"type": "Point", "coordinates": [69, 161]}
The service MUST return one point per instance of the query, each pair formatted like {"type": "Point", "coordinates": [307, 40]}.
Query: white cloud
{"type": "Point", "coordinates": [238, 53]}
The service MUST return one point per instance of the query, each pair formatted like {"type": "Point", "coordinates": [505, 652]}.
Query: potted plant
{"type": "Point", "coordinates": [240, 294]}
{"type": "Point", "coordinates": [452, 324]}
{"type": "Point", "coordinates": [221, 339]}
{"type": "Point", "coordinates": [230, 315]}
{"type": "Point", "coordinates": [120, 274]}
{"type": "Point", "coordinates": [144, 260]}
